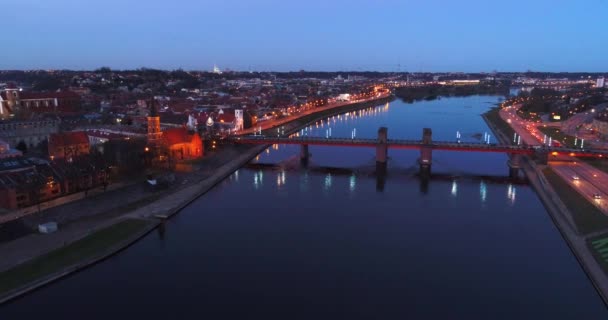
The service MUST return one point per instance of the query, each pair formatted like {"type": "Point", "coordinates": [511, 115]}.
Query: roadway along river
{"type": "Point", "coordinates": [288, 243]}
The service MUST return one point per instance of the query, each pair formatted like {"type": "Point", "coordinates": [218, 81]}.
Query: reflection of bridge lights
{"type": "Point", "coordinates": [236, 175]}
{"type": "Point", "coordinates": [454, 188]}
{"type": "Point", "coordinates": [328, 181]}
{"type": "Point", "coordinates": [257, 179]}
{"type": "Point", "coordinates": [511, 193]}
{"type": "Point", "coordinates": [353, 183]}
{"type": "Point", "coordinates": [483, 190]}
{"type": "Point", "coordinates": [281, 178]}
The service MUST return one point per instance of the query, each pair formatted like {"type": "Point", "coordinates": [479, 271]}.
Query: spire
{"type": "Point", "coordinates": [153, 108]}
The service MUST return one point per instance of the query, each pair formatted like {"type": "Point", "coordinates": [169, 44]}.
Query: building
{"type": "Point", "coordinates": [16, 103]}
{"type": "Point", "coordinates": [154, 133]}
{"type": "Point", "coordinates": [30, 133]}
{"type": "Point", "coordinates": [97, 137]}
{"type": "Point", "coordinates": [24, 183]}
{"type": "Point", "coordinates": [600, 82]}
{"type": "Point", "coordinates": [68, 145]}
{"type": "Point", "coordinates": [28, 182]}
{"type": "Point", "coordinates": [183, 144]}
{"type": "Point", "coordinates": [179, 143]}
{"type": "Point", "coordinates": [7, 152]}
{"type": "Point", "coordinates": [238, 120]}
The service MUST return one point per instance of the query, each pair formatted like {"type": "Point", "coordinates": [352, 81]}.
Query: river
{"type": "Point", "coordinates": [283, 242]}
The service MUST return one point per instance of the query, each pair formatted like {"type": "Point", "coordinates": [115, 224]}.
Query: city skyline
{"type": "Point", "coordinates": [471, 36]}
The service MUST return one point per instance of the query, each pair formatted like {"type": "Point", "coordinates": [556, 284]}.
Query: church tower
{"type": "Point", "coordinates": [154, 133]}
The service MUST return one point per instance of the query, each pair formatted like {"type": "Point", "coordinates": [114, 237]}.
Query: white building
{"type": "Point", "coordinates": [600, 82]}
{"type": "Point", "coordinates": [238, 119]}
{"type": "Point", "coordinates": [216, 70]}
{"type": "Point", "coordinates": [343, 97]}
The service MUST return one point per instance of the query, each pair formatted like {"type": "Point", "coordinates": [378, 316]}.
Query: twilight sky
{"type": "Point", "coordinates": [324, 35]}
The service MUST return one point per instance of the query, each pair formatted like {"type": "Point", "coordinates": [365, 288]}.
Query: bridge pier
{"type": "Point", "coordinates": [380, 181]}
{"type": "Point", "coordinates": [541, 156]}
{"type": "Point", "coordinates": [514, 163]}
{"type": "Point", "coordinates": [304, 154]}
{"type": "Point", "coordinates": [381, 151]}
{"type": "Point", "coordinates": [424, 183]}
{"type": "Point", "coordinates": [426, 152]}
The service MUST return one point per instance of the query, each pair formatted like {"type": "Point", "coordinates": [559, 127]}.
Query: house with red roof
{"type": "Point", "coordinates": [183, 144]}
{"type": "Point", "coordinates": [68, 145]}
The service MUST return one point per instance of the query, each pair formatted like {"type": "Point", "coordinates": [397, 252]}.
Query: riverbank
{"type": "Point", "coordinates": [169, 204]}
{"type": "Point", "coordinates": [561, 216]}
{"type": "Point", "coordinates": [72, 257]}
{"type": "Point", "coordinates": [431, 92]}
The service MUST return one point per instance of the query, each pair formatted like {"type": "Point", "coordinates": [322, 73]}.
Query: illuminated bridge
{"type": "Point", "coordinates": [426, 147]}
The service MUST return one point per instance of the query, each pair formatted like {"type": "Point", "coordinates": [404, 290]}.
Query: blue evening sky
{"type": "Point", "coordinates": [324, 35]}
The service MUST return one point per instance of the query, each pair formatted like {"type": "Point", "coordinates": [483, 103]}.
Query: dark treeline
{"type": "Point", "coordinates": [430, 92]}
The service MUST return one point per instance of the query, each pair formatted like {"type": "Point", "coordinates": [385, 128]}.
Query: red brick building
{"type": "Point", "coordinates": [68, 145]}
{"type": "Point", "coordinates": [182, 144]}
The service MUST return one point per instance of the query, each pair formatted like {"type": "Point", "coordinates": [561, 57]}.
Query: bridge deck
{"type": "Point", "coordinates": [417, 144]}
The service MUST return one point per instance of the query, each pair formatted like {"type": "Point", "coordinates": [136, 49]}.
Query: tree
{"type": "Point", "coordinates": [21, 146]}
{"type": "Point", "coordinates": [104, 70]}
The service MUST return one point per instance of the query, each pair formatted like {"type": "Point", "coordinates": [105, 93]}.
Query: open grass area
{"type": "Point", "coordinates": [493, 116]}
{"type": "Point", "coordinates": [599, 249]}
{"type": "Point", "coordinates": [557, 134]}
{"type": "Point", "coordinates": [79, 251]}
{"type": "Point", "coordinates": [587, 217]}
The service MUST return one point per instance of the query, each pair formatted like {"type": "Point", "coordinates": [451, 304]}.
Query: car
{"type": "Point", "coordinates": [575, 177]}
{"type": "Point", "coordinates": [597, 196]}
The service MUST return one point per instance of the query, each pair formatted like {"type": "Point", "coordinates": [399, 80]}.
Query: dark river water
{"type": "Point", "coordinates": [281, 242]}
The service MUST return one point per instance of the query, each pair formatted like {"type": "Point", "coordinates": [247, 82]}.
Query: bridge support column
{"type": "Point", "coordinates": [382, 151]}
{"type": "Point", "coordinates": [514, 164]}
{"type": "Point", "coordinates": [541, 156]}
{"type": "Point", "coordinates": [304, 154]}
{"type": "Point", "coordinates": [380, 181]}
{"type": "Point", "coordinates": [426, 152]}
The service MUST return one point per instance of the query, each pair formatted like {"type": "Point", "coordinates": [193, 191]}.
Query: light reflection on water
{"type": "Point", "coordinates": [483, 191]}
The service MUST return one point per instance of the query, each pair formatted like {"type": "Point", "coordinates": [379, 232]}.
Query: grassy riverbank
{"type": "Point", "coordinates": [77, 252]}
{"type": "Point", "coordinates": [587, 217]}
{"type": "Point", "coordinates": [494, 117]}
{"type": "Point", "coordinates": [599, 248]}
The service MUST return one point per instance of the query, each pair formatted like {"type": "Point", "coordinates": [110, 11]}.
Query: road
{"type": "Point", "coordinates": [264, 125]}
{"type": "Point", "coordinates": [530, 135]}
{"type": "Point", "coordinates": [590, 180]}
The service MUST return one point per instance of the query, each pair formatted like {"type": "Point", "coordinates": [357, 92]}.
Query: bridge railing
{"type": "Point", "coordinates": [436, 144]}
